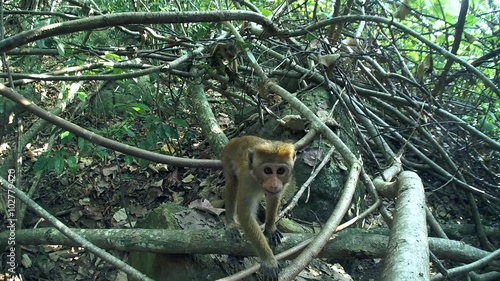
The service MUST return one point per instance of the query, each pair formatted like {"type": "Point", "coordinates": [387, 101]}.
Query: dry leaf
{"type": "Point", "coordinates": [402, 11]}
{"type": "Point", "coordinates": [189, 178]}
{"type": "Point", "coordinates": [154, 193]}
{"type": "Point", "coordinates": [75, 215]}
{"type": "Point", "coordinates": [173, 178]}
{"type": "Point", "coordinates": [84, 201]}
{"type": "Point", "coordinates": [178, 197]}
{"type": "Point", "coordinates": [138, 210]}
{"type": "Point", "coordinates": [425, 66]}
{"type": "Point", "coordinates": [87, 161]}
{"type": "Point", "coordinates": [294, 122]}
{"type": "Point", "coordinates": [93, 213]}
{"type": "Point", "coordinates": [205, 205]}
{"type": "Point", "coordinates": [26, 261]}
{"type": "Point", "coordinates": [469, 37]}
{"type": "Point", "coordinates": [312, 156]}
{"type": "Point", "coordinates": [158, 167]}
{"type": "Point", "coordinates": [158, 183]}
{"type": "Point", "coordinates": [120, 215]}
{"type": "Point", "coordinates": [110, 170]}
{"type": "Point", "coordinates": [168, 148]}
{"type": "Point", "coordinates": [328, 60]}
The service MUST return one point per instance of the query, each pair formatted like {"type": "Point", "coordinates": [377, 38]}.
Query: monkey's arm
{"type": "Point", "coordinates": [273, 234]}
{"type": "Point", "coordinates": [247, 205]}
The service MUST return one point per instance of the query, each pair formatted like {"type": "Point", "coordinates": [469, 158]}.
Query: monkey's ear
{"type": "Point", "coordinates": [250, 158]}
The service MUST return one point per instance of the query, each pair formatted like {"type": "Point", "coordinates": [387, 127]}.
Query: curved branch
{"type": "Point", "coordinates": [319, 242]}
{"type": "Point", "coordinates": [130, 18]}
{"type": "Point", "coordinates": [100, 140]}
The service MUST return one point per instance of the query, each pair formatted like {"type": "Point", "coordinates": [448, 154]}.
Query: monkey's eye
{"type": "Point", "coordinates": [268, 171]}
{"type": "Point", "coordinates": [280, 171]}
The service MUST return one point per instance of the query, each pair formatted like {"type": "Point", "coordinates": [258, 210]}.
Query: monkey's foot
{"type": "Point", "coordinates": [274, 238]}
{"type": "Point", "coordinates": [233, 233]}
{"type": "Point", "coordinates": [270, 272]}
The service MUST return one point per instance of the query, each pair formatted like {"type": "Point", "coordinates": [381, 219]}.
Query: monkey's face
{"type": "Point", "coordinates": [272, 176]}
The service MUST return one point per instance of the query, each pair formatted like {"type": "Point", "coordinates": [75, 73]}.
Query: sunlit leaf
{"type": "Point", "coordinates": [81, 96]}
{"type": "Point", "coordinates": [168, 148]}
{"type": "Point", "coordinates": [111, 56]}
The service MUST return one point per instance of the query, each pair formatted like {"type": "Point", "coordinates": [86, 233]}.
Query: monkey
{"type": "Point", "coordinates": [254, 167]}
{"type": "Point", "coordinates": [225, 55]}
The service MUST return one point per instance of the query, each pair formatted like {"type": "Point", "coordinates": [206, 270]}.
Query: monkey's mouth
{"type": "Point", "coordinates": [271, 193]}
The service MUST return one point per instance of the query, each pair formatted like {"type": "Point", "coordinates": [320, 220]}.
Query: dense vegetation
{"type": "Point", "coordinates": [149, 93]}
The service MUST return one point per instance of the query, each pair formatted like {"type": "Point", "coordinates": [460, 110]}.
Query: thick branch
{"type": "Point", "coordinates": [353, 243]}
{"type": "Point", "coordinates": [97, 22]}
{"type": "Point", "coordinates": [408, 250]}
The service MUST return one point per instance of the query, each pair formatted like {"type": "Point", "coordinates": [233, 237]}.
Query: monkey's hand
{"type": "Point", "coordinates": [274, 237]}
{"type": "Point", "coordinates": [270, 272]}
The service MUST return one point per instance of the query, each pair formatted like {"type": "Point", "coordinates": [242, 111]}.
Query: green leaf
{"type": "Point", "coordinates": [82, 143]}
{"type": "Point", "coordinates": [58, 165]}
{"type": "Point", "coordinates": [265, 12]}
{"type": "Point", "coordinates": [129, 132]}
{"type": "Point", "coordinates": [73, 164]}
{"type": "Point", "coordinates": [166, 131]}
{"type": "Point", "coordinates": [180, 122]}
{"type": "Point", "coordinates": [129, 160]}
{"type": "Point", "coordinates": [40, 164]}
{"type": "Point", "coordinates": [102, 152]}
{"type": "Point", "coordinates": [111, 56]}
{"type": "Point", "coordinates": [142, 162]}
{"type": "Point", "coordinates": [65, 134]}
{"type": "Point", "coordinates": [471, 20]}
{"type": "Point", "coordinates": [139, 107]}
{"type": "Point", "coordinates": [81, 96]}
{"type": "Point", "coordinates": [66, 137]}
{"type": "Point", "coordinates": [152, 139]}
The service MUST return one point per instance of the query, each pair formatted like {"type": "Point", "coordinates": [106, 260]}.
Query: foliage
{"type": "Point", "coordinates": [397, 92]}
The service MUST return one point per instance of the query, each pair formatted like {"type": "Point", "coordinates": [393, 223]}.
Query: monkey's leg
{"type": "Point", "coordinates": [231, 205]}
